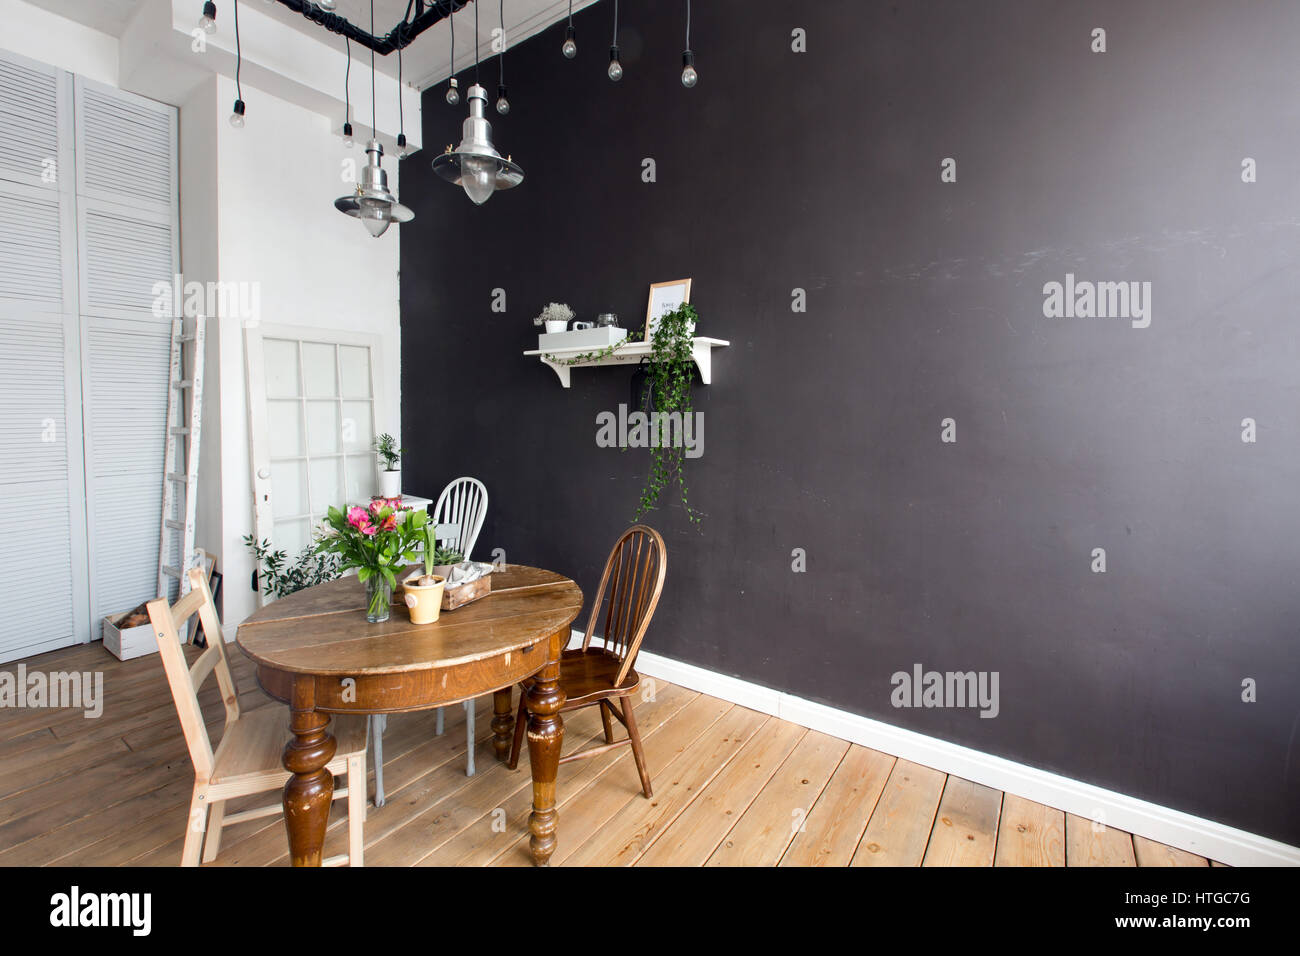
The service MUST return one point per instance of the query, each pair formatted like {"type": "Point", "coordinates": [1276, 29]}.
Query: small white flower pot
{"type": "Point", "coordinates": [390, 484]}
{"type": "Point", "coordinates": [556, 325]}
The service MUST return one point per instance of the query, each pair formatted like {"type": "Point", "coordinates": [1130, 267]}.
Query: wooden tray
{"type": "Point", "coordinates": [453, 598]}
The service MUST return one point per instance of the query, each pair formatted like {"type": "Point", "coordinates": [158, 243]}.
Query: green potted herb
{"type": "Point", "coordinates": [390, 457]}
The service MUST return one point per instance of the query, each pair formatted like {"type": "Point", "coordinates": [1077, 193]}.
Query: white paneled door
{"type": "Point", "coordinates": [312, 416]}
{"type": "Point", "coordinates": [83, 358]}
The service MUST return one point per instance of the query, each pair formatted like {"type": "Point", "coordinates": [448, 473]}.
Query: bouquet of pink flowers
{"type": "Point", "coordinates": [375, 541]}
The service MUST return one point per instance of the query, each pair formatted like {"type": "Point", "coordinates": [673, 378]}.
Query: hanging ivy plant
{"type": "Point", "coordinates": [671, 372]}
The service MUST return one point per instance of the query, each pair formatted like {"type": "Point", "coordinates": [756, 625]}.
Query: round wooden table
{"type": "Point", "coordinates": [315, 651]}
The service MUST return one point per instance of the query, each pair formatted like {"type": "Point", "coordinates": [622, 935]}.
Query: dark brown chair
{"type": "Point", "coordinates": [589, 676]}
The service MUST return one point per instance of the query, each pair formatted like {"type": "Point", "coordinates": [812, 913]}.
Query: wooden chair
{"type": "Point", "coordinates": [462, 504]}
{"type": "Point", "coordinates": [247, 760]}
{"type": "Point", "coordinates": [603, 677]}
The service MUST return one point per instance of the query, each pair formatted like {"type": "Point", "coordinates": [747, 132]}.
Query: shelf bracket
{"type": "Point", "coordinates": [560, 370]}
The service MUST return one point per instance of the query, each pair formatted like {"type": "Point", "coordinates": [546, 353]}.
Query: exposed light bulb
{"type": "Point", "coordinates": [570, 47]}
{"type": "Point", "coordinates": [689, 76]}
{"type": "Point", "coordinates": [237, 115]}
{"type": "Point", "coordinates": [375, 219]}
{"type": "Point", "coordinates": [615, 68]}
{"type": "Point", "coordinates": [453, 92]}
{"type": "Point", "coordinates": [503, 104]}
{"type": "Point", "coordinates": [478, 178]}
{"type": "Point", "coordinates": [401, 146]}
{"type": "Point", "coordinates": [327, 5]}
{"type": "Point", "coordinates": [347, 135]}
{"type": "Point", "coordinates": [208, 22]}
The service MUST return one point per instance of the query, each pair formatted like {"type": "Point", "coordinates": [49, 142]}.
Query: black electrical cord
{"type": "Point", "coordinates": [401, 116]}
{"type": "Point", "coordinates": [374, 128]}
{"type": "Point", "coordinates": [614, 42]}
{"type": "Point", "coordinates": [475, 40]}
{"type": "Point", "coordinates": [501, 57]}
{"type": "Point", "coordinates": [688, 24]}
{"type": "Point", "coordinates": [239, 92]}
{"type": "Point", "coordinates": [347, 84]}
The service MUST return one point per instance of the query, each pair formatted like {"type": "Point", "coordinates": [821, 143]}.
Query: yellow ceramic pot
{"type": "Point", "coordinates": [423, 601]}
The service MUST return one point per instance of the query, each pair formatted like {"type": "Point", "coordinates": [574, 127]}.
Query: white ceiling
{"type": "Point", "coordinates": [106, 16]}
{"type": "Point", "coordinates": [424, 62]}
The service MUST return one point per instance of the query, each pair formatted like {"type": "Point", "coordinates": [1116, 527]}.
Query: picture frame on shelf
{"type": "Point", "coordinates": [665, 297]}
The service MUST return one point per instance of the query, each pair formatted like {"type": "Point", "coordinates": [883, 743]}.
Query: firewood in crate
{"type": "Point", "coordinates": [135, 617]}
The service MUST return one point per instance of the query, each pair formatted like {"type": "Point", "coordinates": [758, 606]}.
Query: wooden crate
{"type": "Point", "coordinates": [131, 642]}
{"type": "Point", "coordinates": [453, 598]}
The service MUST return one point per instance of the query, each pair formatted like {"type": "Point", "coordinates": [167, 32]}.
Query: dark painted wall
{"type": "Point", "coordinates": [821, 171]}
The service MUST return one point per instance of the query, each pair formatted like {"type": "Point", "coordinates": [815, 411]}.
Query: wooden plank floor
{"type": "Point", "coordinates": [733, 787]}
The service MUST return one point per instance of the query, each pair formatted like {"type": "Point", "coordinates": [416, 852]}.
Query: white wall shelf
{"type": "Point", "coordinates": [631, 354]}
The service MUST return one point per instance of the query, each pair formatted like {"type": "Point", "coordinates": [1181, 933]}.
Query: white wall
{"type": "Point", "coordinates": [256, 206]}
{"type": "Point", "coordinates": [277, 226]}
{"type": "Point", "coordinates": [58, 41]}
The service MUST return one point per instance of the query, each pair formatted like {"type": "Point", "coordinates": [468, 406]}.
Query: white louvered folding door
{"type": "Point", "coordinates": [43, 570]}
{"type": "Point", "coordinates": [128, 243]}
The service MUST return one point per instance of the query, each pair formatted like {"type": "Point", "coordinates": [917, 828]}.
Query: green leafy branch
{"type": "Point", "coordinates": [671, 369]}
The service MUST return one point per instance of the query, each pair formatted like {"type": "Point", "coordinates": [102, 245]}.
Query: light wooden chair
{"type": "Point", "coordinates": [247, 760]}
{"type": "Point", "coordinates": [462, 505]}
{"type": "Point", "coordinates": [603, 677]}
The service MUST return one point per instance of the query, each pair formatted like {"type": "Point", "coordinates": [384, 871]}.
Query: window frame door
{"type": "Point", "coordinates": [260, 451]}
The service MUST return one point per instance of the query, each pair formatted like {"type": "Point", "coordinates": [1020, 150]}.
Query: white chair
{"type": "Point", "coordinates": [463, 506]}
{"type": "Point", "coordinates": [247, 760]}
{"type": "Point", "coordinates": [463, 503]}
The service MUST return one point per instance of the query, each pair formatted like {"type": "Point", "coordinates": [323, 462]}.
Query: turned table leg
{"type": "Point", "coordinates": [307, 794]}
{"type": "Point", "coordinates": [545, 735]}
{"type": "Point", "coordinates": [503, 723]}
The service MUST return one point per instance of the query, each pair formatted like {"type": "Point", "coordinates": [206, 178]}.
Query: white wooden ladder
{"type": "Point", "coordinates": [181, 460]}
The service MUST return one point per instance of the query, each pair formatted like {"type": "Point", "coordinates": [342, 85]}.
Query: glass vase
{"type": "Point", "coordinates": [379, 599]}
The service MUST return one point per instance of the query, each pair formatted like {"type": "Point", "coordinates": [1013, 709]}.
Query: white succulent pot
{"type": "Point", "coordinates": [390, 484]}
{"type": "Point", "coordinates": [556, 325]}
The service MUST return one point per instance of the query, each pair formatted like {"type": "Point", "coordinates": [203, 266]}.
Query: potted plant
{"type": "Point", "coordinates": [423, 591]}
{"type": "Point", "coordinates": [556, 317]}
{"type": "Point", "coordinates": [671, 371]}
{"type": "Point", "coordinates": [390, 456]}
{"type": "Point", "coordinates": [376, 541]}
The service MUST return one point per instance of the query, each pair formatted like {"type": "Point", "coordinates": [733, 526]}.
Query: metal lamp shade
{"type": "Point", "coordinates": [372, 202]}
{"type": "Point", "coordinates": [476, 145]}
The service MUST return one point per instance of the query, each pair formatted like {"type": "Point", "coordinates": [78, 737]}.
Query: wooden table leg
{"type": "Point", "coordinates": [307, 794]}
{"type": "Point", "coordinates": [503, 722]}
{"type": "Point", "coordinates": [545, 735]}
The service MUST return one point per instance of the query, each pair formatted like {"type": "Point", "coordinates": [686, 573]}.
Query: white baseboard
{"type": "Point", "coordinates": [1206, 838]}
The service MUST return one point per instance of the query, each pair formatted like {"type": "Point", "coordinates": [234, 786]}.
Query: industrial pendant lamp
{"type": "Point", "coordinates": [372, 202]}
{"type": "Point", "coordinates": [475, 165]}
